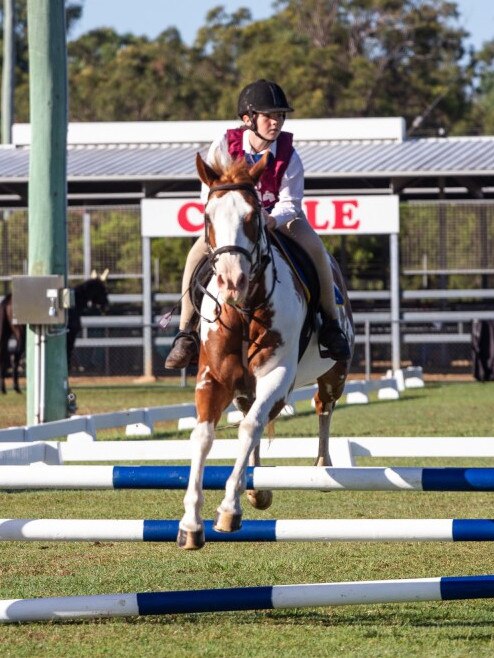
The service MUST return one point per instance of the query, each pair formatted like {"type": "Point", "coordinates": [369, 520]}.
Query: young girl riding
{"type": "Point", "coordinates": [262, 107]}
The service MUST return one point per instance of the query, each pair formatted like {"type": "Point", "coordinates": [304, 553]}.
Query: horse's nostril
{"type": "Point", "coordinates": [242, 279]}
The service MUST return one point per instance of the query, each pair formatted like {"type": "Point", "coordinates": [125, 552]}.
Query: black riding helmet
{"type": "Point", "coordinates": [262, 96]}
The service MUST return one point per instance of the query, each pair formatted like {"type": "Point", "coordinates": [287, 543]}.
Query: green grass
{"type": "Point", "coordinates": [450, 629]}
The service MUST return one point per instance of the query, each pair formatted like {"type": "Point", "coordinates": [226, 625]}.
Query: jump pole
{"type": "Point", "coordinates": [283, 530]}
{"type": "Point", "coordinates": [276, 477]}
{"type": "Point", "coordinates": [248, 598]}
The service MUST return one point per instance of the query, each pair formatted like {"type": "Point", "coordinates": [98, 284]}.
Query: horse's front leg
{"type": "Point", "coordinates": [271, 391]}
{"type": "Point", "coordinates": [211, 399]}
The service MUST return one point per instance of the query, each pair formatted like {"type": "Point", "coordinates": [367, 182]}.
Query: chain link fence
{"type": "Point", "coordinates": [446, 264]}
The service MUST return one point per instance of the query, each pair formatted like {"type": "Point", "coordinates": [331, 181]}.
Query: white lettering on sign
{"type": "Point", "coordinates": [349, 215]}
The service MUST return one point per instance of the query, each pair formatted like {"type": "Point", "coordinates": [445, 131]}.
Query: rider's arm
{"type": "Point", "coordinates": [289, 204]}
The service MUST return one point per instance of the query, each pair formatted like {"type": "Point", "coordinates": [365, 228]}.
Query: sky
{"type": "Point", "coordinates": [150, 17]}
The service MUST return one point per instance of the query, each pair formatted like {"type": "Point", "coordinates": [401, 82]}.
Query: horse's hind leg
{"type": "Point", "coordinates": [324, 412]}
{"type": "Point", "coordinates": [258, 499]}
{"type": "Point", "coordinates": [331, 387]}
{"type": "Point", "coordinates": [15, 372]}
{"type": "Point", "coordinates": [3, 372]}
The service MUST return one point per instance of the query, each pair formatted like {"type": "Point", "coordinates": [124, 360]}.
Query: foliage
{"type": "Point", "coordinates": [340, 58]}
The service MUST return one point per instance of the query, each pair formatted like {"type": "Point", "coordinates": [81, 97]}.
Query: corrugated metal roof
{"type": "Point", "coordinates": [460, 156]}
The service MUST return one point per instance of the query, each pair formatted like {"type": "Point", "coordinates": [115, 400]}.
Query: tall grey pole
{"type": "Point", "coordinates": [47, 186]}
{"type": "Point", "coordinates": [395, 300]}
{"type": "Point", "coordinates": [8, 84]}
{"type": "Point", "coordinates": [147, 309]}
{"type": "Point", "coordinates": [8, 71]}
{"type": "Point", "coordinates": [86, 249]}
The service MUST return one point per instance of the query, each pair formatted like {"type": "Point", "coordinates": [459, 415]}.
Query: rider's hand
{"type": "Point", "coordinates": [269, 221]}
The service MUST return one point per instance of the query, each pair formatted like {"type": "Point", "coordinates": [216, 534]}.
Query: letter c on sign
{"type": "Point", "coordinates": [184, 220]}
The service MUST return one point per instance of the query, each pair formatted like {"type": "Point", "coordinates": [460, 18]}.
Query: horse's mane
{"type": "Point", "coordinates": [230, 170]}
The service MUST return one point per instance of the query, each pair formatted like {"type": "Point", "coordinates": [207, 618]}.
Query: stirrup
{"type": "Point", "coordinates": [333, 342]}
{"type": "Point", "coordinates": [187, 352]}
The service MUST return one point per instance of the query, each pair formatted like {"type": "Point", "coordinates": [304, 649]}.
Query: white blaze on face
{"type": "Point", "coordinates": [232, 269]}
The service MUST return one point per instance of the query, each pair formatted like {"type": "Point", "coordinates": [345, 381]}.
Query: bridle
{"type": "Point", "coordinates": [258, 258]}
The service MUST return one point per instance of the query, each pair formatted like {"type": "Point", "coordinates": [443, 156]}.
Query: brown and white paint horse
{"type": "Point", "coordinates": [252, 316]}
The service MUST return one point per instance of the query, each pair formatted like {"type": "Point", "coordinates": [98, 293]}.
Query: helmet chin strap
{"type": "Point", "coordinates": [253, 127]}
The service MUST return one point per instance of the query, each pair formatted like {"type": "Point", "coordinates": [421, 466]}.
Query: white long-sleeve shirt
{"type": "Point", "coordinates": [289, 204]}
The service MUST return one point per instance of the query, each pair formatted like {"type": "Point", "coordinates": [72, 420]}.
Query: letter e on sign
{"type": "Point", "coordinates": [344, 214]}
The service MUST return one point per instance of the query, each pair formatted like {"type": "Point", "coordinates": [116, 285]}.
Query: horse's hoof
{"type": "Point", "coordinates": [227, 522]}
{"type": "Point", "coordinates": [260, 499]}
{"type": "Point", "coordinates": [190, 540]}
{"type": "Point", "coordinates": [323, 461]}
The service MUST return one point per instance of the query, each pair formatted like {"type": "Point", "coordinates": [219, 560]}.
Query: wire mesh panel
{"type": "Point", "coordinates": [444, 246]}
{"type": "Point", "coordinates": [447, 244]}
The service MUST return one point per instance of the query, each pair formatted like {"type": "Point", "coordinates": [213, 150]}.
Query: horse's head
{"type": "Point", "coordinates": [234, 224]}
{"type": "Point", "coordinates": [95, 291]}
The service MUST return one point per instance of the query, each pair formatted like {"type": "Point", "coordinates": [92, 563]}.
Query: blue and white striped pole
{"type": "Point", "coordinates": [283, 530]}
{"type": "Point", "coordinates": [276, 477]}
{"type": "Point", "coordinates": [248, 598]}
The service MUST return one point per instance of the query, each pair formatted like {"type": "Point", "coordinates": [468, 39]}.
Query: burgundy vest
{"type": "Point", "coordinates": [270, 181]}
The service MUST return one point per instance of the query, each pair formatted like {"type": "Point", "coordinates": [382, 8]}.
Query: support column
{"type": "Point", "coordinates": [395, 300]}
{"type": "Point", "coordinates": [47, 185]}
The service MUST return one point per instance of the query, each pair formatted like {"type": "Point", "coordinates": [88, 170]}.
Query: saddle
{"type": "Point", "coordinates": [304, 270]}
{"type": "Point", "coordinates": [306, 273]}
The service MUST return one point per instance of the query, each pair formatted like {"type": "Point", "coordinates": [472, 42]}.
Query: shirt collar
{"type": "Point", "coordinates": [248, 148]}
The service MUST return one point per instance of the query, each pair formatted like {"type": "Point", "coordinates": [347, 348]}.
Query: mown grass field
{"type": "Point", "coordinates": [426, 629]}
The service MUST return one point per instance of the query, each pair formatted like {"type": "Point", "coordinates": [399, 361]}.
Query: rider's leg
{"type": "Point", "coordinates": [185, 348]}
{"type": "Point", "coordinates": [331, 335]}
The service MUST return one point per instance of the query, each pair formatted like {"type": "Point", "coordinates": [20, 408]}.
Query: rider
{"type": "Point", "coordinates": [262, 106]}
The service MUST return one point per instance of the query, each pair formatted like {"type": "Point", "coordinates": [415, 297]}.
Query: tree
{"type": "Point", "coordinates": [481, 118]}
{"type": "Point", "coordinates": [73, 11]}
{"type": "Point", "coordinates": [381, 58]}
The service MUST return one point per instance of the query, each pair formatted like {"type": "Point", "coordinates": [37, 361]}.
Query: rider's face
{"type": "Point", "coordinates": [270, 125]}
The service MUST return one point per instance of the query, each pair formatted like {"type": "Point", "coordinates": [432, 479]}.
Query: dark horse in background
{"type": "Point", "coordinates": [89, 294]}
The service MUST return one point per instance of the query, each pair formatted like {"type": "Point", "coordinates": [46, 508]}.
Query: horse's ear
{"type": "Point", "coordinates": [104, 276]}
{"type": "Point", "coordinates": [256, 170]}
{"type": "Point", "coordinates": [94, 274]}
{"type": "Point", "coordinates": [206, 173]}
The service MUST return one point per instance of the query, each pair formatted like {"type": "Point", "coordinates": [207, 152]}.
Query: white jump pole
{"type": "Point", "coordinates": [282, 530]}
{"type": "Point", "coordinates": [248, 598]}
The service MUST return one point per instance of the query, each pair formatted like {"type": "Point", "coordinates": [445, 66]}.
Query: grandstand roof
{"type": "Point", "coordinates": [123, 162]}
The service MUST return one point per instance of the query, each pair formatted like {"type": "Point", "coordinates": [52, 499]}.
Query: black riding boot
{"type": "Point", "coordinates": [333, 339]}
{"type": "Point", "coordinates": [185, 350]}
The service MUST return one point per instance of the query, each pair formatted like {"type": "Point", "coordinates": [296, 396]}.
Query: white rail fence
{"type": "Point", "coordinates": [32, 444]}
